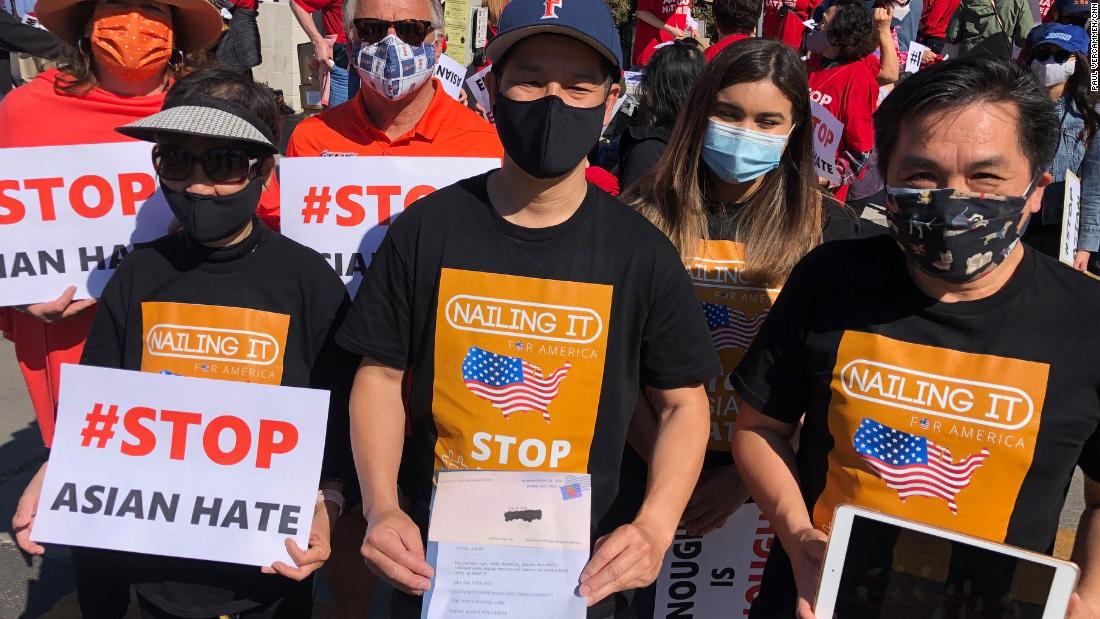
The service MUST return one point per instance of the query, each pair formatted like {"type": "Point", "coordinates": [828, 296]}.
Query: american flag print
{"type": "Point", "coordinates": [914, 465]}
{"type": "Point", "coordinates": [510, 383]}
{"type": "Point", "coordinates": [731, 328]}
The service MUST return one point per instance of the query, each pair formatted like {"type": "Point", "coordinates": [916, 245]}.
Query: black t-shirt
{"type": "Point", "coordinates": [969, 416]}
{"type": "Point", "coordinates": [525, 348]}
{"type": "Point", "coordinates": [267, 284]}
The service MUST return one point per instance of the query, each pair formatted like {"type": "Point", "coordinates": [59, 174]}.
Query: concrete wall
{"type": "Point", "coordinates": [280, 35]}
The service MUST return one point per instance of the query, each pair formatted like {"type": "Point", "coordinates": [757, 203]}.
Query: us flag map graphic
{"type": "Point", "coordinates": [511, 384]}
{"type": "Point", "coordinates": [914, 465]}
{"type": "Point", "coordinates": [731, 328]}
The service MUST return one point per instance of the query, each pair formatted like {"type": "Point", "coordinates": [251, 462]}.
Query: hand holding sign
{"type": "Point", "coordinates": [477, 85]}
{"type": "Point", "coordinates": [320, 546]}
{"type": "Point", "coordinates": [182, 467]}
{"type": "Point", "coordinates": [72, 225]}
{"type": "Point", "coordinates": [59, 310]}
{"type": "Point", "coordinates": [915, 57]}
{"type": "Point", "coordinates": [22, 523]}
{"type": "Point", "coordinates": [827, 131]}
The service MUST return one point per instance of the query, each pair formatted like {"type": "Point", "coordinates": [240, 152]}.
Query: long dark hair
{"type": "Point", "coordinates": [782, 220]}
{"type": "Point", "coordinates": [1084, 99]}
{"type": "Point", "coordinates": [667, 80]}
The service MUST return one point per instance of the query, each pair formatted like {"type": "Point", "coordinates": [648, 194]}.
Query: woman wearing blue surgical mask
{"type": "Point", "coordinates": [737, 193]}
{"type": "Point", "coordinates": [1058, 56]}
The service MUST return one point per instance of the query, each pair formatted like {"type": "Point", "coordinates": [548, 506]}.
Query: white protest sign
{"type": "Point", "coordinates": [826, 138]}
{"type": "Point", "coordinates": [481, 27]}
{"type": "Point", "coordinates": [182, 467]}
{"type": "Point", "coordinates": [476, 84]}
{"type": "Point", "coordinates": [914, 56]}
{"type": "Point", "coordinates": [1071, 219]}
{"type": "Point", "coordinates": [451, 74]}
{"type": "Point", "coordinates": [342, 206]}
{"type": "Point", "coordinates": [717, 575]}
{"type": "Point", "coordinates": [69, 214]}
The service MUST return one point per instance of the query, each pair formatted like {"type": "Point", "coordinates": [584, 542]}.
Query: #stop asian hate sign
{"type": "Point", "coordinates": [182, 467]}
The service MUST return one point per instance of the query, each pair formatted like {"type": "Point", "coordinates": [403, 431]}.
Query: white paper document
{"type": "Point", "coordinates": [508, 545]}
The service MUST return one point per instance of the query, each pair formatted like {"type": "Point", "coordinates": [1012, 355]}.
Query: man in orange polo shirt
{"type": "Point", "coordinates": [400, 110]}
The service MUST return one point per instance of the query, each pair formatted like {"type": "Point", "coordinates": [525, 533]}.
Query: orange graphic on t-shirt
{"type": "Point", "coordinates": [930, 434]}
{"type": "Point", "coordinates": [211, 341]}
{"type": "Point", "coordinates": [735, 310]}
{"type": "Point", "coordinates": [518, 371]}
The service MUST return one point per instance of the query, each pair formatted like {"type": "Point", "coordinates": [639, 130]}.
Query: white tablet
{"type": "Point", "coordinates": [882, 566]}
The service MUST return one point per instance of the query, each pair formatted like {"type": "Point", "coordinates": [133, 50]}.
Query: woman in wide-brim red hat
{"type": "Point", "coordinates": [119, 58]}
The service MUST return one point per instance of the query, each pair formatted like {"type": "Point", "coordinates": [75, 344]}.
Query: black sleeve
{"type": "Point", "coordinates": [639, 161]}
{"type": "Point", "coordinates": [772, 377]}
{"type": "Point", "coordinates": [334, 370]}
{"type": "Point", "coordinates": [378, 323]}
{"type": "Point", "coordinates": [1089, 460]}
{"type": "Point", "coordinates": [677, 349]}
{"type": "Point", "coordinates": [105, 344]}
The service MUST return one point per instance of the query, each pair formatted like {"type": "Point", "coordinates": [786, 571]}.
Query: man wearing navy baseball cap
{"type": "Point", "coordinates": [530, 268]}
{"type": "Point", "coordinates": [1072, 12]}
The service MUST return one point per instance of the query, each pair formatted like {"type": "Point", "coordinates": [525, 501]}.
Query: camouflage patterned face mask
{"type": "Point", "coordinates": [953, 235]}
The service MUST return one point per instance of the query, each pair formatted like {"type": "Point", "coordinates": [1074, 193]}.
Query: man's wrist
{"type": "Point", "coordinates": [663, 528]}
{"type": "Point", "coordinates": [373, 508]}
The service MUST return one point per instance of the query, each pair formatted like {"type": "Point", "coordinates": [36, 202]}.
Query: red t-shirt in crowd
{"type": "Point", "coordinates": [91, 118]}
{"type": "Point", "coordinates": [332, 14]}
{"type": "Point", "coordinates": [646, 38]}
{"type": "Point", "coordinates": [936, 17]}
{"type": "Point", "coordinates": [722, 44]}
{"type": "Point", "coordinates": [850, 92]}
{"type": "Point", "coordinates": [788, 28]}
{"type": "Point", "coordinates": [251, 5]}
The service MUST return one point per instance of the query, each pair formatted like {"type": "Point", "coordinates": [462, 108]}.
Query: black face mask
{"type": "Point", "coordinates": [212, 218]}
{"type": "Point", "coordinates": [547, 138]}
{"type": "Point", "coordinates": [955, 235]}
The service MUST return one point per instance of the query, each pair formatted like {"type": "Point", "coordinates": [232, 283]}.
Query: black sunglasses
{"type": "Point", "coordinates": [1059, 56]}
{"type": "Point", "coordinates": [411, 31]}
{"type": "Point", "coordinates": [221, 165]}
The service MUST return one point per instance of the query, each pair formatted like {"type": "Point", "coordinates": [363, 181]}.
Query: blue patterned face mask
{"type": "Point", "coordinates": [393, 68]}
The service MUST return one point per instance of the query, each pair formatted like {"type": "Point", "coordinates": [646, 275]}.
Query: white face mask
{"type": "Point", "coordinates": [901, 12]}
{"type": "Point", "coordinates": [1053, 73]}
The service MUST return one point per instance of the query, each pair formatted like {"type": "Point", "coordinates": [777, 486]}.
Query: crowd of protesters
{"type": "Point", "coordinates": [739, 284]}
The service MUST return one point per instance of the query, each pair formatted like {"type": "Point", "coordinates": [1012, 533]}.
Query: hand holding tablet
{"type": "Point", "coordinates": [882, 566]}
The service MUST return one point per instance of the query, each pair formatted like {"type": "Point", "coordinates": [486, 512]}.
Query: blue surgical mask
{"type": "Point", "coordinates": [739, 155]}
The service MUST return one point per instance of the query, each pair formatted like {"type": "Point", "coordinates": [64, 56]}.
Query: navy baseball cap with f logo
{"type": "Point", "coordinates": [588, 21]}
